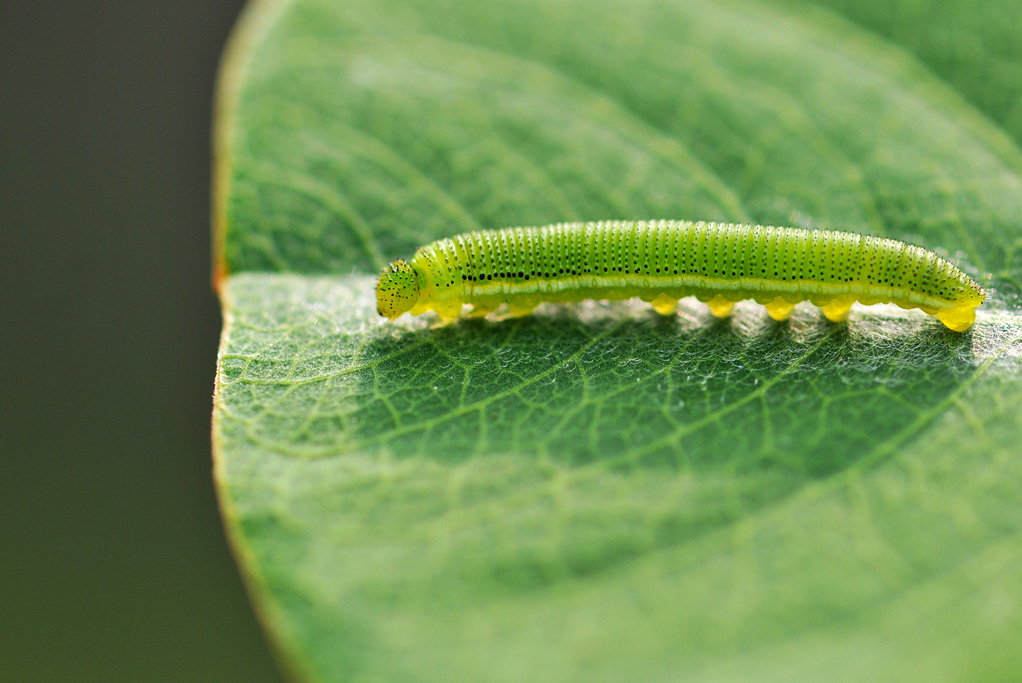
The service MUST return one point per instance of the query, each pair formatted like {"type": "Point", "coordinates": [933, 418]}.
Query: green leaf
{"type": "Point", "coordinates": [594, 492]}
{"type": "Point", "coordinates": [974, 46]}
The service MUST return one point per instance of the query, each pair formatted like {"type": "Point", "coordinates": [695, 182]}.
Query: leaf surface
{"type": "Point", "coordinates": [595, 492]}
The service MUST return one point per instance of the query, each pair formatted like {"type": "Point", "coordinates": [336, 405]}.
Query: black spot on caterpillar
{"type": "Point", "coordinates": [663, 261]}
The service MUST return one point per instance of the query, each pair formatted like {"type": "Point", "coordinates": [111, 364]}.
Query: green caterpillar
{"type": "Point", "coordinates": [663, 261]}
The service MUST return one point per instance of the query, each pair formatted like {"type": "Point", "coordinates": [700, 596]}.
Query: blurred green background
{"type": "Point", "coordinates": [113, 565]}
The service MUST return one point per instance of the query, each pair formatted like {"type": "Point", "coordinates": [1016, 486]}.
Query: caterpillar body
{"type": "Point", "coordinates": [663, 261]}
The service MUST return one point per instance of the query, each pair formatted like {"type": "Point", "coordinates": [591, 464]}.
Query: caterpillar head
{"type": "Point", "coordinates": [397, 290]}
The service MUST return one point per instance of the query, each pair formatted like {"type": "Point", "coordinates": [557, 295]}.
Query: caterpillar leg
{"type": "Point", "coordinates": [665, 305]}
{"type": "Point", "coordinates": [958, 319]}
{"type": "Point", "coordinates": [479, 311]}
{"type": "Point", "coordinates": [720, 306]}
{"type": "Point", "coordinates": [519, 309]}
{"type": "Point", "coordinates": [779, 309]}
{"type": "Point", "coordinates": [837, 310]}
{"type": "Point", "coordinates": [420, 308]}
{"type": "Point", "coordinates": [448, 314]}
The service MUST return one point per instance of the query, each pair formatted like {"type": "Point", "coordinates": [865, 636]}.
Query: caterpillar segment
{"type": "Point", "coordinates": [664, 261]}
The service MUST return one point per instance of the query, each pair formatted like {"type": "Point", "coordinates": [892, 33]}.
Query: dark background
{"type": "Point", "coordinates": [113, 562]}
